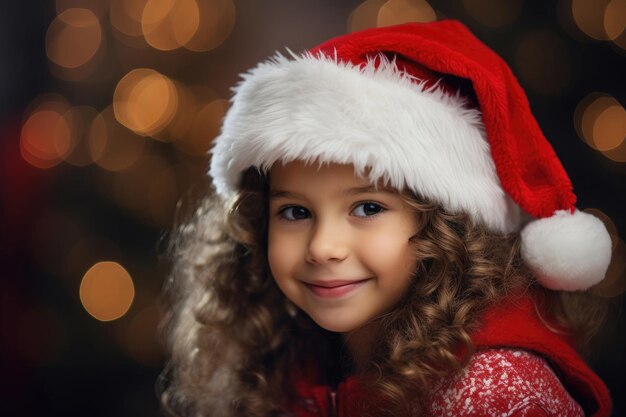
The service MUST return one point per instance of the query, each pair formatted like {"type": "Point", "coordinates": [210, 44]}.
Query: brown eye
{"type": "Point", "coordinates": [294, 213]}
{"type": "Point", "coordinates": [367, 209]}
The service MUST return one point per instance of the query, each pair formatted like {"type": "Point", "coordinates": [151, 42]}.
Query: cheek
{"type": "Point", "coordinates": [273, 252]}
{"type": "Point", "coordinates": [282, 253]}
{"type": "Point", "coordinates": [393, 261]}
{"type": "Point", "coordinates": [283, 257]}
{"type": "Point", "coordinates": [390, 251]}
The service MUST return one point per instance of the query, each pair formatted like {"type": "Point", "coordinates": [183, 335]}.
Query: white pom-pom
{"type": "Point", "coordinates": [567, 251]}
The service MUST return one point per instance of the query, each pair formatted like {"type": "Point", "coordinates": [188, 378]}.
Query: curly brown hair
{"type": "Point", "coordinates": [235, 339]}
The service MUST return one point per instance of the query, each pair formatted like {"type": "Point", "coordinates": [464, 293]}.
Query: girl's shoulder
{"type": "Point", "coordinates": [504, 382]}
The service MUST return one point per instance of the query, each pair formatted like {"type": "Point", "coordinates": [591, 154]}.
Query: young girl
{"type": "Point", "coordinates": [390, 234]}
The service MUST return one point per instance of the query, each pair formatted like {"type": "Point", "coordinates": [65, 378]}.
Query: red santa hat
{"type": "Point", "coordinates": [423, 106]}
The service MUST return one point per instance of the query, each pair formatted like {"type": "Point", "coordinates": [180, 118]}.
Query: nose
{"type": "Point", "coordinates": [328, 243]}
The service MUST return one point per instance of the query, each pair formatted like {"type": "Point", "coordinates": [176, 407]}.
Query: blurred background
{"type": "Point", "coordinates": [107, 109]}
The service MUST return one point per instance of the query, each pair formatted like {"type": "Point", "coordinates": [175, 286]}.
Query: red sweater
{"type": "Point", "coordinates": [513, 373]}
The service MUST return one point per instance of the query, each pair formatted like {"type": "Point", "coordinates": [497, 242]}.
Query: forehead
{"type": "Point", "coordinates": [298, 174]}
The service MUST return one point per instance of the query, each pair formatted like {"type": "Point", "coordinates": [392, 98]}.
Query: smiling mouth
{"type": "Point", "coordinates": [334, 289]}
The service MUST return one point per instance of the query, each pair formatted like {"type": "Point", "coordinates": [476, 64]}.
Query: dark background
{"type": "Point", "coordinates": [61, 216]}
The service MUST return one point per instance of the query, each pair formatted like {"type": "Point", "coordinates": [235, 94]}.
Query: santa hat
{"type": "Point", "coordinates": [423, 106]}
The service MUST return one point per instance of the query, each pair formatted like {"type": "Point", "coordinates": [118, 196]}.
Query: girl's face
{"type": "Point", "coordinates": [337, 247]}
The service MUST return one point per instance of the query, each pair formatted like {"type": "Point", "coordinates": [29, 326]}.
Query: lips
{"type": "Point", "coordinates": [335, 288]}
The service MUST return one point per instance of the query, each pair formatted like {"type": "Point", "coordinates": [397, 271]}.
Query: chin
{"type": "Point", "coordinates": [335, 324]}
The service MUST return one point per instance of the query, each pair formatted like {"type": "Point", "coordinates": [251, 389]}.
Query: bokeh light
{"type": "Point", "coordinates": [112, 146]}
{"type": "Point", "coordinates": [45, 135]}
{"type": "Point", "coordinates": [197, 25]}
{"type": "Point", "coordinates": [615, 23]}
{"type": "Point", "coordinates": [184, 117]}
{"type": "Point", "coordinates": [616, 154]}
{"type": "Point", "coordinates": [73, 38]}
{"type": "Point", "coordinates": [609, 128]}
{"type": "Point", "coordinates": [395, 12]}
{"type": "Point", "coordinates": [586, 113]}
{"type": "Point", "coordinates": [494, 13]}
{"type": "Point", "coordinates": [169, 24]}
{"type": "Point", "coordinates": [543, 62]}
{"type": "Point", "coordinates": [44, 139]}
{"type": "Point", "coordinates": [125, 17]}
{"type": "Point", "coordinates": [603, 20]}
{"type": "Point", "coordinates": [145, 101]}
{"type": "Point", "coordinates": [204, 129]}
{"type": "Point", "coordinates": [600, 121]}
{"type": "Point", "coordinates": [98, 7]}
{"type": "Point", "coordinates": [107, 291]}
{"type": "Point", "coordinates": [615, 19]}
{"type": "Point", "coordinates": [589, 17]}
{"type": "Point", "coordinates": [217, 20]}
{"type": "Point", "coordinates": [365, 15]}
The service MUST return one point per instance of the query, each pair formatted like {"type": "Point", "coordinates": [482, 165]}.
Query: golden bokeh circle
{"type": "Point", "coordinates": [107, 291]}
{"type": "Point", "coordinates": [125, 16]}
{"type": "Point", "coordinates": [615, 19]}
{"type": "Point", "coordinates": [365, 15]}
{"type": "Point", "coordinates": [395, 12]}
{"type": "Point", "coordinates": [217, 20]}
{"type": "Point", "coordinates": [589, 17]}
{"type": "Point", "coordinates": [98, 7]}
{"type": "Point", "coordinates": [145, 101]}
{"type": "Point", "coordinates": [204, 128]}
{"type": "Point", "coordinates": [45, 137]}
{"type": "Point", "coordinates": [73, 38]}
{"type": "Point", "coordinates": [170, 24]}
{"type": "Point", "coordinates": [600, 121]}
{"type": "Point", "coordinates": [609, 128]}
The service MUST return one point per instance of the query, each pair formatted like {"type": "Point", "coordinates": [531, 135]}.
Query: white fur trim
{"type": "Point", "coordinates": [383, 121]}
{"type": "Point", "coordinates": [567, 251]}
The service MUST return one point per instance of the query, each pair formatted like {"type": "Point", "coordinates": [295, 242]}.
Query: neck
{"type": "Point", "coordinates": [359, 343]}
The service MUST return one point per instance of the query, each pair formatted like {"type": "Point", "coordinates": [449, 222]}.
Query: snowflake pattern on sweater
{"type": "Point", "coordinates": [497, 382]}
{"type": "Point", "coordinates": [504, 383]}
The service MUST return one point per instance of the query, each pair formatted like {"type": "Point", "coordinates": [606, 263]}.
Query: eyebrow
{"type": "Point", "coordinates": [368, 189]}
{"type": "Point", "coordinates": [283, 194]}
